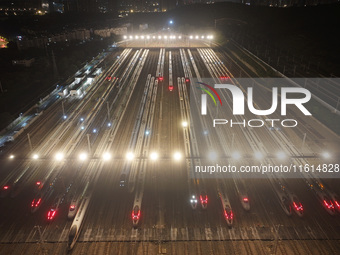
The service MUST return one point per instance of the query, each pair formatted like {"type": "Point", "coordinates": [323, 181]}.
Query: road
{"type": "Point", "coordinates": [136, 112]}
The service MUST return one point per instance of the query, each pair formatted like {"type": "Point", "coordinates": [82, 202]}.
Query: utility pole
{"type": "Point", "coordinates": [29, 141]}
{"type": "Point", "coordinates": [62, 106]}
{"type": "Point", "coordinates": [88, 142]}
{"type": "Point", "coordinates": [232, 141]}
{"type": "Point", "coordinates": [108, 110]}
{"type": "Point", "coordinates": [303, 140]}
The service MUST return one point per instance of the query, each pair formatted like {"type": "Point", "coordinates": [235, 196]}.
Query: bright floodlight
{"type": "Point", "coordinates": [153, 37]}
{"type": "Point", "coordinates": [202, 36]}
{"type": "Point", "coordinates": [137, 37]}
{"type": "Point", "coordinates": [35, 156]}
{"type": "Point", "coordinates": [213, 155]}
{"type": "Point", "coordinates": [148, 37]}
{"type": "Point", "coordinates": [125, 37]}
{"type": "Point", "coordinates": [65, 117]}
{"type": "Point", "coordinates": [179, 37]}
{"type": "Point", "coordinates": [165, 37]}
{"type": "Point", "coordinates": [281, 155]}
{"type": "Point", "coordinates": [177, 156]}
{"type": "Point", "coordinates": [191, 37]}
{"type": "Point", "coordinates": [154, 156]}
{"type": "Point", "coordinates": [82, 156]}
{"type": "Point", "coordinates": [11, 156]}
{"type": "Point", "coordinates": [171, 22]}
{"type": "Point", "coordinates": [196, 37]}
{"type": "Point", "coordinates": [130, 37]}
{"type": "Point", "coordinates": [159, 37]}
{"type": "Point", "coordinates": [59, 156]}
{"type": "Point", "coordinates": [106, 156]}
{"type": "Point", "coordinates": [236, 155]}
{"type": "Point", "coordinates": [142, 37]}
{"type": "Point", "coordinates": [130, 156]}
{"type": "Point", "coordinates": [184, 124]}
{"type": "Point", "coordinates": [326, 155]}
{"type": "Point", "coordinates": [94, 130]}
{"type": "Point", "coordinates": [258, 155]}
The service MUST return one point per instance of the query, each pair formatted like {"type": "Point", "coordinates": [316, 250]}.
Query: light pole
{"type": "Point", "coordinates": [232, 140]}
{"type": "Point", "coordinates": [29, 141]}
{"type": "Point", "coordinates": [337, 104]}
{"type": "Point", "coordinates": [108, 110]}
{"type": "Point", "coordinates": [303, 141]}
{"type": "Point", "coordinates": [62, 106]}
{"type": "Point", "coordinates": [88, 142]}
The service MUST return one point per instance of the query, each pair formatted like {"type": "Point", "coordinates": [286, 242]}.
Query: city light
{"type": "Point", "coordinates": [106, 156]}
{"type": "Point", "coordinates": [11, 156]}
{"type": "Point", "coordinates": [258, 155]}
{"type": "Point", "coordinates": [130, 156]}
{"type": "Point", "coordinates": [281, 155]}
{"type": "Point", "coordinates": [82, 156]}
{"type": "Point", "coordinates": [326, 155]}
{"type": "Point", "coordinates": [213, 155]}
{"type": "Point", "coordinates": [154, 156]}
{"type": "Point", "coordinates": [236, 155]}
{"type": "Point", "coordinates": [177, 156]}
{"type": "Point", "coordinates": [171, 22]}
{"type": "Point", "coordinates": [184, 124]}
{"type": "Point", "coordinates": [59, 156]}
{"type": "Point", "coordinates": [171, 37]}
{"type": "Point", "coordinates": [35, 156]}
